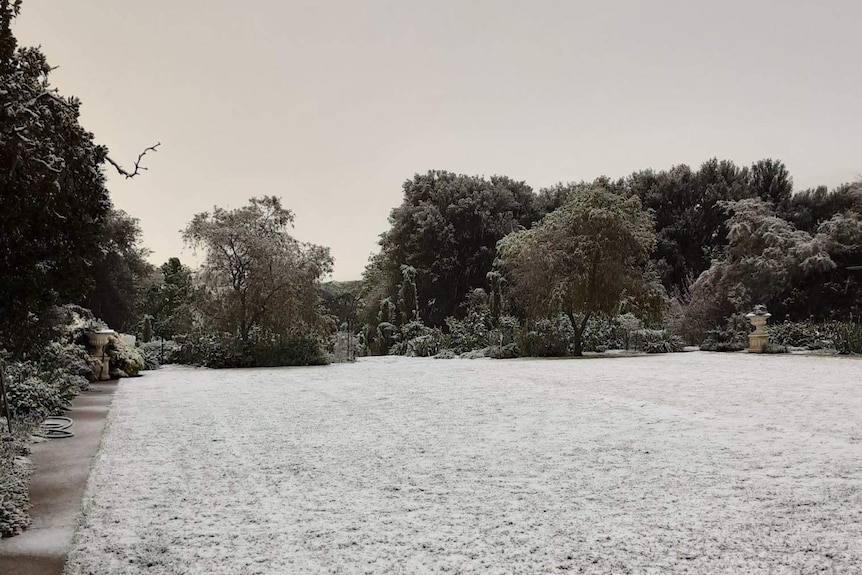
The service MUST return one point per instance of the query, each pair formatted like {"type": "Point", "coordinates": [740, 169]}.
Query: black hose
{"type": "Point", "coordinates": [57, 428]}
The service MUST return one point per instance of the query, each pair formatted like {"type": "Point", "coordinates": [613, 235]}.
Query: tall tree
{"type": "Point", "coordinates": [254, 273]}
{"type": "Point", "coordinates": [119, 273]}
{"type": "Point", "coordinates": [808, 209]}
{"type": "Point", "coordinates": [447, 229]}
{"type": "Point", "coordinates": [53, 199]}
{"type": "Point", "coordinates": [771, 182]}
{"type": "Point", "coordinates": [690, 224]}
{"type": "Point", "coordinates": [581, 259]}
{"type": "Point", "coordinates": [168, 298]}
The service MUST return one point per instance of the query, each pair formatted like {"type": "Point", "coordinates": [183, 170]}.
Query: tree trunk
{"type": "Point", "coordinates": [243, 319]}
{"type": "Point", "coordinates": [578, 350]}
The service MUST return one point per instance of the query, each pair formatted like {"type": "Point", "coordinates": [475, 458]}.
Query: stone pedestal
{"type": "Point", "coordinates": [98, 358]}
{"type": "Point", "coordinates": [758, 338]}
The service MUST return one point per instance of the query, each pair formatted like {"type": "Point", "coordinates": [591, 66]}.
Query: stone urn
{"type": "Point", "coordinates": [97, 340]}
{"type": "Point", "coordinates": [758, 338]}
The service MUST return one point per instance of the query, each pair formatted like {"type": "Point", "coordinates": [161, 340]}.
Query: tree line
{"type": "Point", "coordinates": [679, 246]}
{"type": "Point", "coordinates": [465, 257]}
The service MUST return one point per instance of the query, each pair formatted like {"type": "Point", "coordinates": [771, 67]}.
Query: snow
{"type": "Point", "coordinates": [682, 463]}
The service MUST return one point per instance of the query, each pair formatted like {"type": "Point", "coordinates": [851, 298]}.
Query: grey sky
{"type": "Point", "coordinates": [332, 105]}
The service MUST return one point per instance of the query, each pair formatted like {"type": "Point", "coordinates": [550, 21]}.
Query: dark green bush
{"type": "Point", "coordinates": [126, 360]}
{"type": "Point", "coordinates": [796, 334]}
{"type": "Point", "coordinates": [164, 351]}
{"type": "Point", "coordinates": [770, 347]}
{"type": "Point", "coordinates": [446, 354]}
{"type": "Point", "coordinates": [712, 344]}
{"type": "Point", "coordinates": [601, 334]}
{"type": "Point", "coordinates": [507, 351]}
{"type": "Point", "coordinates": [847, 337]}
{"type": "Point", "coordinates": [262, 349]}
{"type": "Point", "coordinates": [472, 332]}
{"type": "Point", "coordinates": [548, 338]}
{"type": "Point", "coordinates": [504, 339]}
{"type": "Point", "coordinates": [66, 359]}
{"type": "Point", "coordinates": [733, 337]}
{"type": "Point", "coordinates": [40, 382]}
{"type": "Point", "coordinates": [14, 478]}
{"type": "Point", "coordinates": [34, 394]}
{"type": "Point", "coordinates": [468, 334]}
{"type": "Point", "coordinates": [660, 341]}
{"type": "Point", "coordinates": [417, 340]}
{"type": "Point", "coordinates": [151, 358]}
{"type": "Point", "coordinates": [842, 336]}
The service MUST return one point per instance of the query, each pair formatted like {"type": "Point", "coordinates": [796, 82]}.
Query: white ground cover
{"type": "Point", "coordinates": [685, 463]}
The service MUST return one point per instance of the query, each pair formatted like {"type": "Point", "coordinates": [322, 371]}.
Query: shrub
{"type": "Point", "coordinates": [151, 358]}
{"type": "Point", "coordinates": [61, 360]}
{"type": "Point", "coordinates": [417, 340]}
{"type": "Point", "coordinates": [272, 350]}
{"type": "Point", "coordinates": [162, 352]}
{"type": "Point", "coordinates": [504, 338]}
{"type": "Point", "coordinates": [41, 382]}
{"type": "Point", "coordinates": [601, 333]}
{"type": "Point", "coordinates": [734, 337]}
{"type": "Point", "coordinates": [507, 351]}
{"type": "Point", "coordinates": [847, 337]}
{"type": "Point", "coordinates": [549, 337]}
{"type": "Point", "coordinates": [263, 349]}
{"type": "Point", "coordinates": [446, 354]}
{"type": "Point", "coordinates": [660, 341]}
{"type": "Point", "coordinates": [475, 354]}
{"type": "Point", "coordinates": [14, 478]}
{"type": "Point", "coordinates": [796, 334]}
{"type": "Point", "coordinates": [422, 346]}
{"type": "Point", "coordinates": [471, 333]}
{"type": "Point", "coordinates": [844, 337]}
{"type": "Point", "coordinates": [126, 360]}
{"type": "Point", "coordinates": [627, 332]}
{"type": "Point", "coordinates": [35, 394]}
{"type": "Point", "coordinates": [467, 334]}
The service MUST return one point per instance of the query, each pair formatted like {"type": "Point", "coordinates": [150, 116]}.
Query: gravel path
{"type": "Point", "coordinates": [685, 463]}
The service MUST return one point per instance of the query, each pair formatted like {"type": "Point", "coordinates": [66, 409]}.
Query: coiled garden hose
{"type": "Point", "coordinates": [57, 427]}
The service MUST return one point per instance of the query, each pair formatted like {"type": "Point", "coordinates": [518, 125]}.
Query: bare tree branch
{"type": "Point", "coordinates": [138, 167]}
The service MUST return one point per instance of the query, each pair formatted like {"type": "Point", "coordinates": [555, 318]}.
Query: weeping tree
{"type": "Point", "coordinates": [254, 273]}
{"type": "Point", "coordinates": [581, 259]}
{"type": "Point", "coordinates": [766, 259]}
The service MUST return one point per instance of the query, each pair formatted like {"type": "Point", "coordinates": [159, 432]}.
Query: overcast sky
{"type": "Point", "coordinates": [332, 105]}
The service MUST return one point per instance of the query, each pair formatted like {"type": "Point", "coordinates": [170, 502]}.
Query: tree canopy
{"type": "Point", "coordinates": [581, 258]}
{"type": "Point", "coordinates": [120, 273]}
{"type": "Point", "coordinates": [447, 229]}
{"type": "Point", "coordinates": [54, 198]}
{"type": "Point", "coordinates": [765, 259]}
{"type": "Point", "coordinates": [254, 273]}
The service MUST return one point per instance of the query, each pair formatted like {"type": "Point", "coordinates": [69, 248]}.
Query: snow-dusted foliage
{"type": "Point", "coordinates": [446, 229]}
{"type": "Point", "coordinates": [14, 477]}
{"type": "Point", "coordinates": [53, 197]}
{"type": "Point", "coordinates": [256, 276]}
{"type": "Point", "coordinates": [126, 360]}
{"type": "Point", "coordinates": [766, 255]}
{"type": "Point", "coordinates": [582, 259]}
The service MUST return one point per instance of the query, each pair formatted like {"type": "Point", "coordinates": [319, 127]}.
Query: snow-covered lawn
{"type": "Point", "coordinates": [686, 463]}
